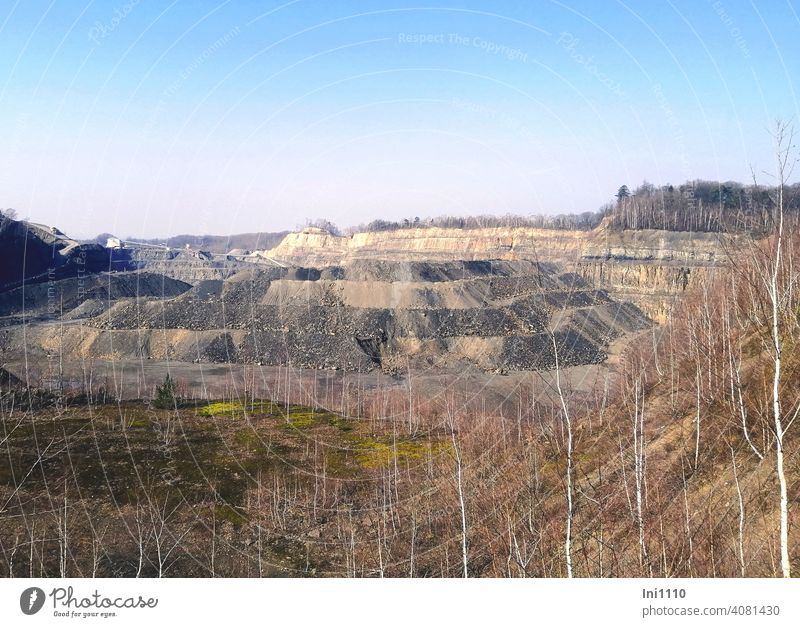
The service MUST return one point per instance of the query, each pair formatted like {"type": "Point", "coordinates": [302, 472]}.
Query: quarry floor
{"type": "Point", "coordinates": [133, 379]}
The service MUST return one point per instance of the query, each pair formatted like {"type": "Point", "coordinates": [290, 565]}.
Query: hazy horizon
{"type": "Point", "coordinates": [344, 228]}
{"type": "Point", "coordinates": [221, 117]}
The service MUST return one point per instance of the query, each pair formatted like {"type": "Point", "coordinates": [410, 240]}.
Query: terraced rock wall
{"type": "Point", "coordinates": [365, 315]}
{"type": "Point", "coordinates": [498, 299]}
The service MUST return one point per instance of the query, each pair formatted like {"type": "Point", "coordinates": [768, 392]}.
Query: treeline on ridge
{"type": "Point", "coordinates": [704, 206]}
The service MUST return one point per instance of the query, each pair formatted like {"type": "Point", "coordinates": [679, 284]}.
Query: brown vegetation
{"type": "Point", "coordinates": [672, 467]}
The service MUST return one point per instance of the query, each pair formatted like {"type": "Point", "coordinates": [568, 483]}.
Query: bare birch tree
{"type": "Point", "coordinates": [778, 291]}
{"type": "Point", "coordinates": [459, 472]}
{"type": "Point", "coordinates": [569, 470]}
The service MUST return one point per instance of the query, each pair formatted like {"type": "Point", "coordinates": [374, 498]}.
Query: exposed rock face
{"type": "Point", "coordinates": [86, 296]}
{"type": "Point", "coordinates": [425, 298]}
{"type": "Point", "coordinates": [648, 268]}
{"type": "Point", "coordinates": [652, 286]}
{"type": "Point", "coordinates": [363, 315]}
{"type": "Point", "coordinates": [184, 265]}
{"type": "Point", "coordinates": [32, 253]}
{"type": "Point", "coordinates": [500, 243]}
{"type": "Point", "coordinates": [430, 244]}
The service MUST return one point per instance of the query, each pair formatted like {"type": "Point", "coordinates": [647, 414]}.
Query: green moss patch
{"type": "Point", "coordinates": [229, 514]}
{"type": "Point", "coordinates": [379, 453]}
{"type": "Point", "coordinates": [236, 409]}
{"type": "Point", "coordinates": [340, 422]}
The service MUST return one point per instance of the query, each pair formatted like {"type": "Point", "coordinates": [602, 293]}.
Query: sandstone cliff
{"type": "Point", "coordinates": [647, 267]}
{"type": "Point", "coordinates": [498, 243]}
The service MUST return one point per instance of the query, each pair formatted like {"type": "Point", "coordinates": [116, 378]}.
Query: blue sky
{"type": "Point", "coordinates": [161, 117]}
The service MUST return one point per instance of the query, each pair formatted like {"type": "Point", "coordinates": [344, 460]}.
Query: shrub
{"type": "Point", "coordinates": [166, 397]}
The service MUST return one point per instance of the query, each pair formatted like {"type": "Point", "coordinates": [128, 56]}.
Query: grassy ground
{"type": "Point", "coordinates": [209, 458]}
